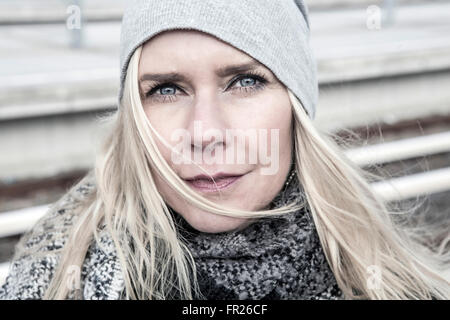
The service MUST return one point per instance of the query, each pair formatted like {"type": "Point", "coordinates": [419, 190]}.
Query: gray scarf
{"type": "Point", "coordinates": [273, 258]}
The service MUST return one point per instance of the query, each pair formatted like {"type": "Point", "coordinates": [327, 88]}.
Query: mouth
{"type": "Point", "coordinates": [221, 182]}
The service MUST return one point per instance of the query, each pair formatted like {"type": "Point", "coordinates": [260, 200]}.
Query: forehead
{"type": "Point", "coordinates": [190, 47]}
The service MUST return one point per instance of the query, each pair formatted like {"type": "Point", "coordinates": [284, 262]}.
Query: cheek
{"type": "Point", "coordinates": [271, 110]}
{"type": "Point", "coordinates": [165, 124]}
{"type": "Point", "coordinates": [272, 114]}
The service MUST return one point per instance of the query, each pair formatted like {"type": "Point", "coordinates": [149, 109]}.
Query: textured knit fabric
{"type": "Point", "coordinates": [274, 32]}
{"type": "Point", "coordinates": [275, 258]}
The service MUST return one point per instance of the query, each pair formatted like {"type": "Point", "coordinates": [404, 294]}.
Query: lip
{"type": "Point", "coordinates": [204, 183]}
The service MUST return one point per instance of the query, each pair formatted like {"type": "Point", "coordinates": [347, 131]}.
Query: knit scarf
{"type": "Point", "coordinates": [272, 258]}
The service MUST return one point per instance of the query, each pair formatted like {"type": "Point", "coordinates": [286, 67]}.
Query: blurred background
{"type": "Point", "coordinates": [384, 74]}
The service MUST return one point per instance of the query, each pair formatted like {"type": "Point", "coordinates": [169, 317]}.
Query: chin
{"type": "Point", "coordinates": [213, 223]}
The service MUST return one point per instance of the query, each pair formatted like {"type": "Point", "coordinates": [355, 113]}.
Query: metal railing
{"type": "Point", "coordinates": [401, 149]}
{"type": "Point", "coordinates": [19, 221]}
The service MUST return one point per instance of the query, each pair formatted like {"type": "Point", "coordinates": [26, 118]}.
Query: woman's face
{"type": "Point", "coordinates": [224, 111]}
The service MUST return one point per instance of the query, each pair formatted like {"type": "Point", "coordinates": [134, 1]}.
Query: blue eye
{"type": "Point", "coordinates": [167, 90]}
{"type": "Point", "coordinates": [247, 82]}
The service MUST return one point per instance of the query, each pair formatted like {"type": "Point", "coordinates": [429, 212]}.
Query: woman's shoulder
{"type": "Point", "coordinates": [37, 252]}
{"type": "Point", "coordinates": [48, 234]}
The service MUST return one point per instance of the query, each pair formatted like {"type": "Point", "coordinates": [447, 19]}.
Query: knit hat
{"type": "Point", "coordinates": [276, 33]}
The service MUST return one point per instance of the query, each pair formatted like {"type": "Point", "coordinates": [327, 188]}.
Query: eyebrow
{"type": "Point", "coordinates": [222, 72]}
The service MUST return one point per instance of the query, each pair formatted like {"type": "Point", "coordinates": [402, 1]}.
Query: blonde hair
{"type": "Point", "coordinates": [353, 223]}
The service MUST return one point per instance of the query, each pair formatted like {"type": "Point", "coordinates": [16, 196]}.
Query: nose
{"type": "Point", "coordinates": [207, 122]}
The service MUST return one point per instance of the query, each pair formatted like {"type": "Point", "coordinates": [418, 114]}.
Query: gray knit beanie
{"type": "Point", "coordinates": [274, 32]}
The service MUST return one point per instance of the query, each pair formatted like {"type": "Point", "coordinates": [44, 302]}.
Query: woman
{"type": "Point", "coordinates": [176, 208]}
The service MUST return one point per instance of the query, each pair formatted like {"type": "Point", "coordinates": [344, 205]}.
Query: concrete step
{"type": "Point", "coordinates": [345, 49]}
